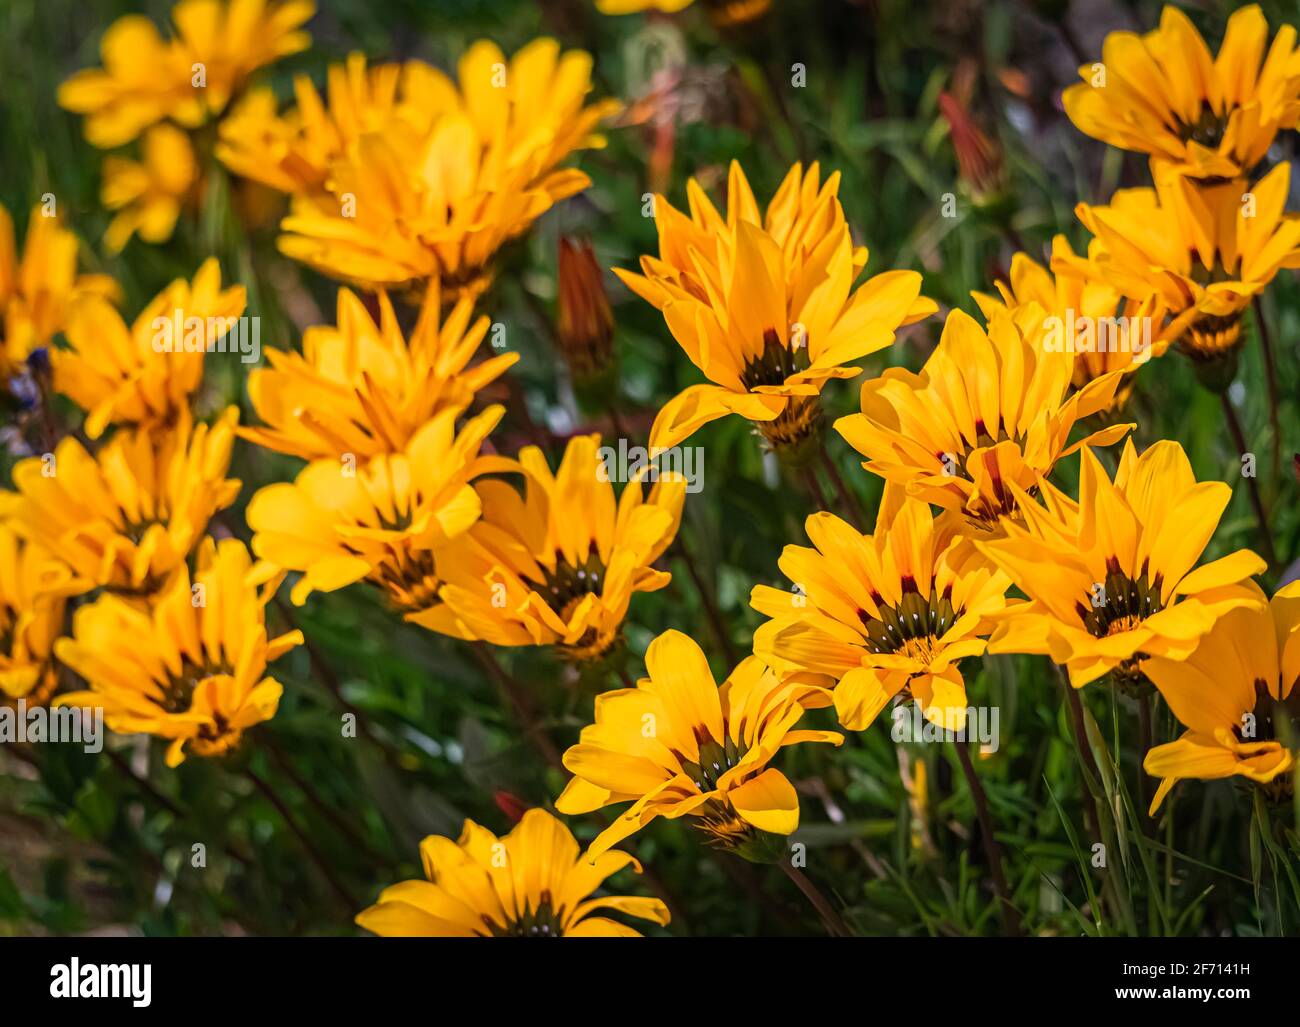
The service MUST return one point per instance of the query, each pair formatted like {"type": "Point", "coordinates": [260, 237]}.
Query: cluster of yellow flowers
{"type": "Point", "coordinates": [406, 185]}
{"type": "Point", "coordinates": [161, 91]}
{"type": "Point", "coordinates": [402, 176]}
{"type": "Point", "coordinates": [178, 654]}
{"type": "Point", "coordinates": [1197, 250]}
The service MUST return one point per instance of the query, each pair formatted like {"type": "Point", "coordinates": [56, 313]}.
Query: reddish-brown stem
{"type": "Point", "coordinates": [325, 809]}
{"type": "Point", "coordinates": [830, 917]}
{"type": "Point", "coordinates": [852, 508]}
{"type": "Point", "coordinates": [326, 870]}
{"type": "Point", "coordinates": [521, 703]}
{"type": "Point", "coordinates": [1274, 402]}
{"type": "Point", "coordinates": [992, 850]}
{"type": "Point", "coordinates": [1252, 481]}
{"type": "Point", "coordinates": [711, 611]}
{"type": "Point", "coordinates": [1086, 760]}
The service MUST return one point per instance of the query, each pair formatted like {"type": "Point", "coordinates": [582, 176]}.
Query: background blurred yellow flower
{"type": "Point", "coordinates": [636, 6]}
{"type": "Point", "coordinates": [148, 194]}
{"type": "Point", "coordinates": [231, 39]}
{"type": "Point", "coordinates": [723, 13]}
{"type": "Point", "coordinates": [1162, 94]}
{"type": "Point", "coordinates": [146, 79]}
{"type": "Point", "coordinates": [143, 81]}
{"type": "Point", "coordinates": [413, 202]}
{"type": "Point", "coordinates": [37, 290]}
{"type": "Point", "coordinates": [530, 884]}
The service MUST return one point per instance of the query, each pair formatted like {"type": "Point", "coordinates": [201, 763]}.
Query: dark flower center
{"type": "Point", "coordinates": [1202, 275]}
{"type": "Point", "coordinates": [914, 625]}
{"type": "Point", "coordinates": [1207, 130]}
{"type": "Point", "coordinates": [715, 759]}
{"type": "Point", "coordinates": [1120, 603]}
{"type": "Point", "coordinates": [542, 922]}
{"type": "Point", "coordinates": [178, 691]}
{"type": "Point", "coordinates": [568, 583]}
{"type": "Point", "coordinates": [776, 363]}
{"type": "Point", "coordinates": [409, 577]}
{"type": "Point", "coordinates": [1268, 714]}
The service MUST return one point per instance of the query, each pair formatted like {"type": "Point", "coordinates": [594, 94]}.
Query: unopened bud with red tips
{"type": "Point", "coordinates": [979, 158]}
{"type": "Point", "coordinates": [584, 322]}
{"type": "Point", "coordinates": [511, 805]}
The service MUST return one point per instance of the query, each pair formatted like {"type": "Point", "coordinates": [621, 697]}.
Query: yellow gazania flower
{"type": "Point", "coordinates": [143, 81]}
{"type": "Point", "coordinates": [1204, 250]}
{"type": "Point", "coordinates": [33, 588]}
{"type": "Point", "coordinates": [559, 565]}
{"type": "Point", "coordinates": [144, 375]}
{"type": "Point", "coordinates": [883, 615]}
{"type": "Point", "coordinates": [415, 202]}
{"type": "Point", "coordinates": [191, 667]}
{"type": "Point", "coordinates": [1231, 693]}
{"type": "Point", "coordinates": [148, 194]}
{"type": "Point", "coordinates": [231, 39]}
{"type": "Point", "coordinates": [1162, 94]}
{"type": "Point", "coordinates": [341, 522]}
{"type": "Point", "coordinates": [292, 152]}
{"type": "Point", "coordinates": [764, 305]}
{"type": "Point", "coordinates": [680, 745]}
{"type": "Point", "coordinates": [987, 412]}
{"type": "Point", "coordinates": [724, 13]}
{"type": "Point", "coordinates": [1109, 334]}
{"type": "Point", "coordinates": [36, 291]}
{"type": "Point", "coordinates": [1112, 580]}
{"type": "Point", "coordinates": [530, 884]}
{"type": "Point", "coordinates": [146, 80]}
{"type": "Point", "coordinates": [360, 388]}
{"type": "Point", "coordinates": [127, 517]}
{"type": "Point", "coordinates": [637, 6]}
